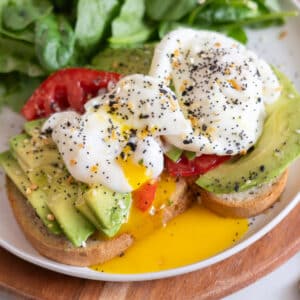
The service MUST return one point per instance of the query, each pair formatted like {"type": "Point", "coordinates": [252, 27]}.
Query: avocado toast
{"type": "Point", "coordinates": [247, 186]}
{"type": "Point", "coordinates": [61, 217]}
{"type": "Point", "coordinates": [80, 223]}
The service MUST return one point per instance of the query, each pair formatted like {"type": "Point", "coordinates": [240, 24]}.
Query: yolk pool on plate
{"type": "Point", "coordinates": [190, 237]}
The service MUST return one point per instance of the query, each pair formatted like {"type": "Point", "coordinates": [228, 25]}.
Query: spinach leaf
{"type": "Point", "coordinates": [168, 10]}
{"type": "Point", "coordinates": [3, 3]}
{"type": "Point", "coordinates": [230, 16]}
{"type": "Point", "coordinates": [63, 5]}
{"type": "Point", "coordinates": [18, 14]}
{"type": "Point", "coordinates": [26, 35]}
{"type": "Point", "coordinates": [54, 42]}
{"type": "Point", "coordinates": [239, 34]}
{"type": "Point", "coordinates": [166, 27]}
{"type": "Point", "coordinates": [15, 89]}
{"type": "Point", "coordinates": [270, 5]}
{"type": "Point", "coordinates": [18, 56]}
{"type": "Point", "coordinates": [93, 17]}
{"type": "Point", "coordinates": [129, 28]}
{"type": "Point", "coordinates": [264, 19]}
{"type": "Point", "coordinates": [220, 12]}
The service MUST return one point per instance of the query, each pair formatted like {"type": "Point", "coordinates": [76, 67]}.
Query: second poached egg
{"type": "Point", "coordinates": [222, 89]}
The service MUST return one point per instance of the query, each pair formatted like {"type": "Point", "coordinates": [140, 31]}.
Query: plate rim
{"type": "Point", "coordinates": [101, 276]}
{"type": "Point", "coordinates": [86, 273]}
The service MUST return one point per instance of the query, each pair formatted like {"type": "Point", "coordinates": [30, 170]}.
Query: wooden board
{"type": "Point", "coordinates": [210, 283]}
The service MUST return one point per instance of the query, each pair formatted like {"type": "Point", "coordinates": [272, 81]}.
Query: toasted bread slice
{"type": "Point", "coordinates": [244, 204]}
{"type": "Point", "coordinates": [96, 251]}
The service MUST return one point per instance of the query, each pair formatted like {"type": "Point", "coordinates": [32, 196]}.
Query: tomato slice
{"type": "Point", "coordinates": [145, 195]}
{"type": "Point", "coordinates": [199, 165]}
{"type": "Point", "coordinates": [67, 88]}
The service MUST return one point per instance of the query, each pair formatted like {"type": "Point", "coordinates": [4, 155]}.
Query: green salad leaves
{"type": "Point", "coordinates": [54, 42]}
{"type": "Point", "coordinates": [169, 10]}
{"type": "Point", "coordinates": [93, 21]}
{"type": "Point", "coordinates": [38, 37]}
{"type": "Point", "coordinates": [19, 14]}
{"type": "Point", "coordinates": [129, 27]}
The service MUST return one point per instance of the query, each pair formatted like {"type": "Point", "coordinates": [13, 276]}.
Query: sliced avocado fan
{"type": "Point", "coordinates": [35, 166]}
{"type": "Point", "coordinates": [35, 194]}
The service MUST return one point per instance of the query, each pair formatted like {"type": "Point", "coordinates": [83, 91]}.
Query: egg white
{"type": "Point", "coordinates": [114, 142]}
{"type": "Point", "coordinates": [222, 89]}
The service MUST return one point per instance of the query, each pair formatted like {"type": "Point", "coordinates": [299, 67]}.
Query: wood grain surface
{"type": "Point", "coordinates": [210, 283]}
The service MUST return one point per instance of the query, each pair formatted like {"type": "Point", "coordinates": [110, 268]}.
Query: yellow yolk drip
{"type": "Point", "coordinates": [190, 237]}
{"type": "Point", "coordinates": [141, 223]}
{"type": "Point", "coordinates": [193, 236]}
{"type": "Point", "coordinates": [165, 189]}
{"type": "Point", "coordinates": [136, 174]}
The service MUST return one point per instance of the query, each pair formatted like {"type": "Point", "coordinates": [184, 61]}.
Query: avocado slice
{"type": "Point", "coordinates": [40, 162]}
{"type": "Point", "coordinates": [33, 153]}
{"type": "Point", "coordinates": [278, 146]}
{"type": "Point", "coordinates": [33, 128]}
{"type": "Point", "coordinates": [174, 153]}
{"type": "Point", "coordinates": [35, 196]}
{"type": "Point", "coordinates": [36, 176]}
{"type": "Point", "coordinates": [189, 155]}
{"type": "Point", "coordinates": [110, 208]}
{"type": "Point", "coordinates": [61, 200]}
{"type": "Point", "coordinates": [84, 209]}
{"type": "Point", "coordinates": [125, 61]}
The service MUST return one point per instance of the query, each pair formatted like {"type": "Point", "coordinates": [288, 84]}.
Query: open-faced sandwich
{"type": "Point", "coordinates": [103, 153]}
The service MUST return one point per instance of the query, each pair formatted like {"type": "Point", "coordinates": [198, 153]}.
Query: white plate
{"type": "Point", "coordinates": [282, 53]}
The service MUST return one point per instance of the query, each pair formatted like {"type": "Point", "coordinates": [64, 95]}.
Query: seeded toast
{"type": "Point", "coordinates": [244, 204]}
{"type": "Point", "coordinates": [96, 251]}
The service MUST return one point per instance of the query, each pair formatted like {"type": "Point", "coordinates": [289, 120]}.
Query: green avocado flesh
{"type": "Point", "coordinates": [278, 146]}
{"type": "Point", "coordinates": [174, 153]}
{"type": "Point", "coordinates": [84, 209]}
{"type": "Point", "coordinates": [36, 167]}
{"type": "Point", "coordinates": [35, 195]}
{"type": "Point", "coordinates": [33, 128]}
{"type": "Point", "coordinates": [61, 198]}
{"type": "Point", "coordinates": [125, 61]}
{"type": "Point", "coordinates": [110, 209]}
{"type": "Point", "coordinates": [30, 152]}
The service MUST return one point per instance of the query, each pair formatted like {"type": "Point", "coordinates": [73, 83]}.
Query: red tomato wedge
{"type": "Point", "coordinates": [197, 166]}
{"type": "Point", "coordinates": [67, 88]}
{"type": "Point", "coordinates": [145, 195]}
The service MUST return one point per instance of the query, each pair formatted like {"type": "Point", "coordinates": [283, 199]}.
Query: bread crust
{"type": "Point", "coordinates": [263, 199]}
{"type": "Point", "coordinates": [97, 251]}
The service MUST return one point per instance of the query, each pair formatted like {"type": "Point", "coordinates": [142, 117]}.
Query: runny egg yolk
{"type": "Point", "coordinates": [190, 237]}
{"type": "Point", "coordinates": [141, 223]}
{"type": "Point", "coordinates": [165, 189]}
{"type": "Point", "coordinates": [135, 173]}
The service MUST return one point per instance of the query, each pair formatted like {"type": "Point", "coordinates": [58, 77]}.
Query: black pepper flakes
{"type": "Point", "coordinates": [236, 186]}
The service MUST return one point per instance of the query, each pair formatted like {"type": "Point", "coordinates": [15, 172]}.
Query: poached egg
{"type": "Point", "coordinates": [116, 141]}
{"type": "Point", "coordinates": [222, 89]}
